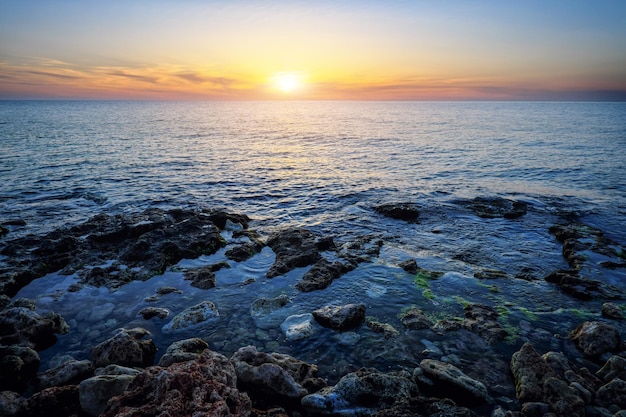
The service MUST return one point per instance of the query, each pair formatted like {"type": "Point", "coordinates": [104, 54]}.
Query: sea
{"type": "Point", "coordinates": [325, 165]}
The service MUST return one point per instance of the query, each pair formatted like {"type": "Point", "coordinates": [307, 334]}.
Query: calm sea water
{"type": "Point", "coordinates": [321, 165]}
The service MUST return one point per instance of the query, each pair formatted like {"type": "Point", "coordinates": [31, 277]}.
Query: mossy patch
{"type": "Point", "coordinates": [423, 277]}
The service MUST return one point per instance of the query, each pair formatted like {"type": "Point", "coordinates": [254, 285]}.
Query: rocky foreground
{"type": "Point", "coordinates": [191, 379]}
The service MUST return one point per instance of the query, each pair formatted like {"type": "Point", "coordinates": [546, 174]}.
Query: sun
{"type": "Point", "coordinates": [287, 82]}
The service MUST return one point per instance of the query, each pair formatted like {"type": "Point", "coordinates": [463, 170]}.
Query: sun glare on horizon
{"type": "Point", "coordinates": [288, 82]}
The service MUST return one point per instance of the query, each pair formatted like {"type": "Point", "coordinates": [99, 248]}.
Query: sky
{"type": "Point", "coordinates": [313, 50]}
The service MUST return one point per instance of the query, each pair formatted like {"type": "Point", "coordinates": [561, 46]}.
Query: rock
{"type": "Point", "coordinates": [294, 248]}
{"type": "Point", "coordinates": [117, 370]}
{"type": "Point", "coordinates": [447, 325]}
{"type": "Point", "coordinates": [530, 372]}
{"type": "Point", "coordinates": [22, 325]}
{"type": "Point", "coordinates": [385, 328]}
{"type": "Point", "coordinates": [95, 392]}
{"type": "Point", "coordinates": [183, 350]}
{"type": "Point", "coordinates": [340, 318]}
{"type": "Point", "coordinates": [150, 312]}
{"type": "Point", "coordinates": [415, 319]}
{"type": "Point", "coordinates": [580, 287]}
{"type": "Point", "coordinates": [221, 218]}
{"type": "Point", "coordinates": [246, 250]}
{"type": "Point", "coordinates": [483, 320]}
{"type": "Point", "coordinates": [534, 409]}
{"type": "Point", "coordinates": [206, 386]}
{"type": "Point", "coordinates": [563, 400]}
{"type": "Point", "coordinates": [68, 373]}
{"type": "Point", "coordinates": [434, 407]}
{"type": "Point", "coordinates": [168, 290]}
{"type": "Point", "coordinates": [18, 364]}
{"type": "Point", "coordinates": [267, 312]}
{"type": "Point", "coordinates": [274, 374]}
{"type": "Point", "coordinates": [362, 393]}
{"type": "Point", "coordinates": [201, 313]}
{"type": "Point", "coordinates": [593, 338]}
{"type": "Point", "coordinates": [615, 367]}
{"type": "Point", "coordinates": [495, 207]}
{"type": "Point", "coordinates": [612, 311]}
{"type": "Point", "coordinates": [558, 362]}
{"type": "Point", "coordinates": [11, 403]}
{"type": "Point", "coordinates": [125, 348]}
{"type": "Point", "coordinates": [203, 278]}
{"type": "Point", "coordinates": [410, 266]}
{"type": "Point", "coordinates": [321, 275]}
{"type": "Point", "coordinates": [613, 393]}
{"type": "Point", "coordinates": [402, 211]}
{"type": "Point", "coordinates": [453, 383]}
{"type": "Point", "coordinates": [298, 326]}
{"type": "Point", "coordinates": [54, 402]}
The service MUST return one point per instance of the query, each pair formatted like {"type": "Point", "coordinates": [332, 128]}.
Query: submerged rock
{"type": "Point", "coordinates": [267, 312]}
{"type": "Point", "coordinates": [150, 312]}
{"type": "Point", "coordinates": [203, 278]}
{"type": "Point", "coordinates": [570, 282]}
{"type": "Point", "coordinates": [125, 348]}
{"type": "Point", "coordinates": [363, 392]}
{"type": "Point", "coordinates": [415, 319]}
{"type": "Point", "coordinates": [402, 211]}
{"type": "Point", "coordinates": [204, 312]}
{"type": "Point", "coordinates": [341, 318]}
{"type": "Point", "coordinates": [321, 275]}
{"type": "Point", "coordinates": [495, 207]}
{"type": "Point", "coordinates": [483, 320]}
{"type": "Point", "coordinates": [298, 326]}
{"type": "Point", "coordinates": [294, 248]}
{"type": "Point", "coordinates": [593, 338]}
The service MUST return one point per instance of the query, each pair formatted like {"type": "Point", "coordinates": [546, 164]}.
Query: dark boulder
{"type": "Point", "coordinates": [294, 248]}
{"type": "Point", "coordinates": [340, 318]}
{"type": "Point", "coordinates": [402, 211]}
{"type": "Point", "coordinates": [495, 207]}
{"type": "Point", "coordinates": [321, 275]}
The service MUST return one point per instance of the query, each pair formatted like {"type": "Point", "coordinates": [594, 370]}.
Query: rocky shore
{"type": "Point", "coordinates": [126, 375]}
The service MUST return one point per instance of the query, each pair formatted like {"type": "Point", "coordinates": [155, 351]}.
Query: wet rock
{"type": "Point", "coordinates": [447, 325]}
{"type": "Point", "coordinates": [580, 287]}
{"type": "Point", "coordinates": [612, 311]}
{"type": "Point", "coordinates": [267, 312]}
{"type": "Point", "coordinates": [274, 374]}
{"type": "Point", "coordinates": [410, 266]}
{"type": "Point", "coordinates": [183, 350]}
{"type": "Point", "coordinates": [11, 403]}
{"type": "Point", "coordinates": [483, 320]}
{"type": "Point", "coordinates": [362, 393]}
{"type": "Point", "coordinates": [22, 325]}
{"type": "Point", "coordinates": [340, 318]}
{"type": "Point", "coordinates": [361, 249]}
{"type": "Point", "coordinates": [558, 362]}
{"type": "Point", "coordinates": [562, 399]}
{"type": "Point", "coordinates": [68, 373]}
{"type": "Point", "coordinates": [434, 407]}
{"type": "Point", "coordinates": [18, 364]}
{"type": "Point", "coordinates": [385, 328]}
{"type": "Point", "coordinates": [402, 211]}
{"type": "Point", "coordinates": [204, 312]}
{"type": "Point", "coordinates": [534, 409]}
{"type": "Point", "coordinates": [484, 273]}
{"type": "Point", "coordinates": [222, 218]}
{"type": "Point", "coordinates": [125, 348]}
{"type": "Point", "coordinates": [415, 319]}
{"type": "Point", "coordinates": [530, 372]}
{"type": "Point", "coordinates": [151, 312]}
{"type": "Point", "coordinates": [613, 393]}
{"type": "Point", "coordinates": [246, 250]}
{"type": "Point", "coordinates": [294, 248]}
{"type": "Point", "coordinates": [593, 338]}
{"type": "Point", "coordinates": [298, 326]}
{"type": "Point", "coordinates": [321, 275]}
{"type": "Point", "coordinates": [117, 370]}
{"type": "Point", "coordinates": [495, 207]}
{"type": "Point", "coordinates": [203, 278]}
{"type": "Point", "coordinates": [54, 402]}
{"type": "Point", "coordinates": [451, 382]}
{"type": "Point", "coordinates": [95, 392]}
{"type": "Point", "coordinates": [205, 386]}
{"type": "Point", "coordinates": [168, 290]}
{"type": "Point", "coordinates": [615, 367]}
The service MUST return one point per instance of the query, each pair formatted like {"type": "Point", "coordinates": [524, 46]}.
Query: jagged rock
{"type": "Point", "coordinates": [222, 218]}
{"type": "Point", "coordinates": [150, 312]}
{"type": "Point", "coordinates": [451, 382]}
{"type": "Point", "coordinates": [274, 374]}
{"type": "Point", "coordinates": [203, 278]}
{"type": "Point", "coordinates": [612, 311]}
{"type": "Point", "coordinates": [563, 400]}
{"type": "Point", "coordinates": [558, 362]}
{"type": "Point", "coordinates": [246, 250]}
{"type": "Point", "coordinates": [530, 372]}
{"type": "Point", "coordinates": [410, 266]}
{"type": "Point", "coordinates": [593, 338]}
{"type": "Point", "coordinates": [54, 402]}
{"type": "Point", "coordinates": [18, 364]}
{"type": "Point", "coordinates": [117, 370]}
{"type": "Point", "coordinates": [68, 373]}
{"type": "Point", "coordinates": [298, 326]}
{"type": "Point", "coordinates": [340, 318]}
{"type": "Point", "coordinates": [125, 348]}
{"type": "Point", "coordinates": [321, 275]}
{"type": "Point", "coordinates": [24, 326]}
{"type": "Point", "coordinates": [495, 207]}
{"type": "Point", "coordinates": [580, 287]}
{"type": "Point", "coordinates": [415, 319]}
{"type": "Point", "coordinates": [402, 211]}
{"type": "Point", "coordinates": [483, 320]}
{"type": "Point", "coordinates": [294, 248]}
{"type": "Point", "coordinates": [615, 367]}
{"type": "Point", "coordinates": [183, 350]}
{"type": "Point", "coordinates": [205, 386]}
{"type": "Point", "coordinates": [613, 393]}
{"type": "Point", "coordinates": [11, 403]}
{"type": "Point", "coordinates": [361, 393]}
{"type": "Point", "coordinates": [385, 328]}
{"type": "Point", "coordinates": [204, 312]}
{"type": "Point", "coordinates": [95, 392]}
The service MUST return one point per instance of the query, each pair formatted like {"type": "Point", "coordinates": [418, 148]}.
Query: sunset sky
{"type": "Point", "coordinates": [342, 49]}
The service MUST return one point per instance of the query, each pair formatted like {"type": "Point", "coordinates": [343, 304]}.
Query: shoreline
{"type": "Point", "coordinates": [136, 248]}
